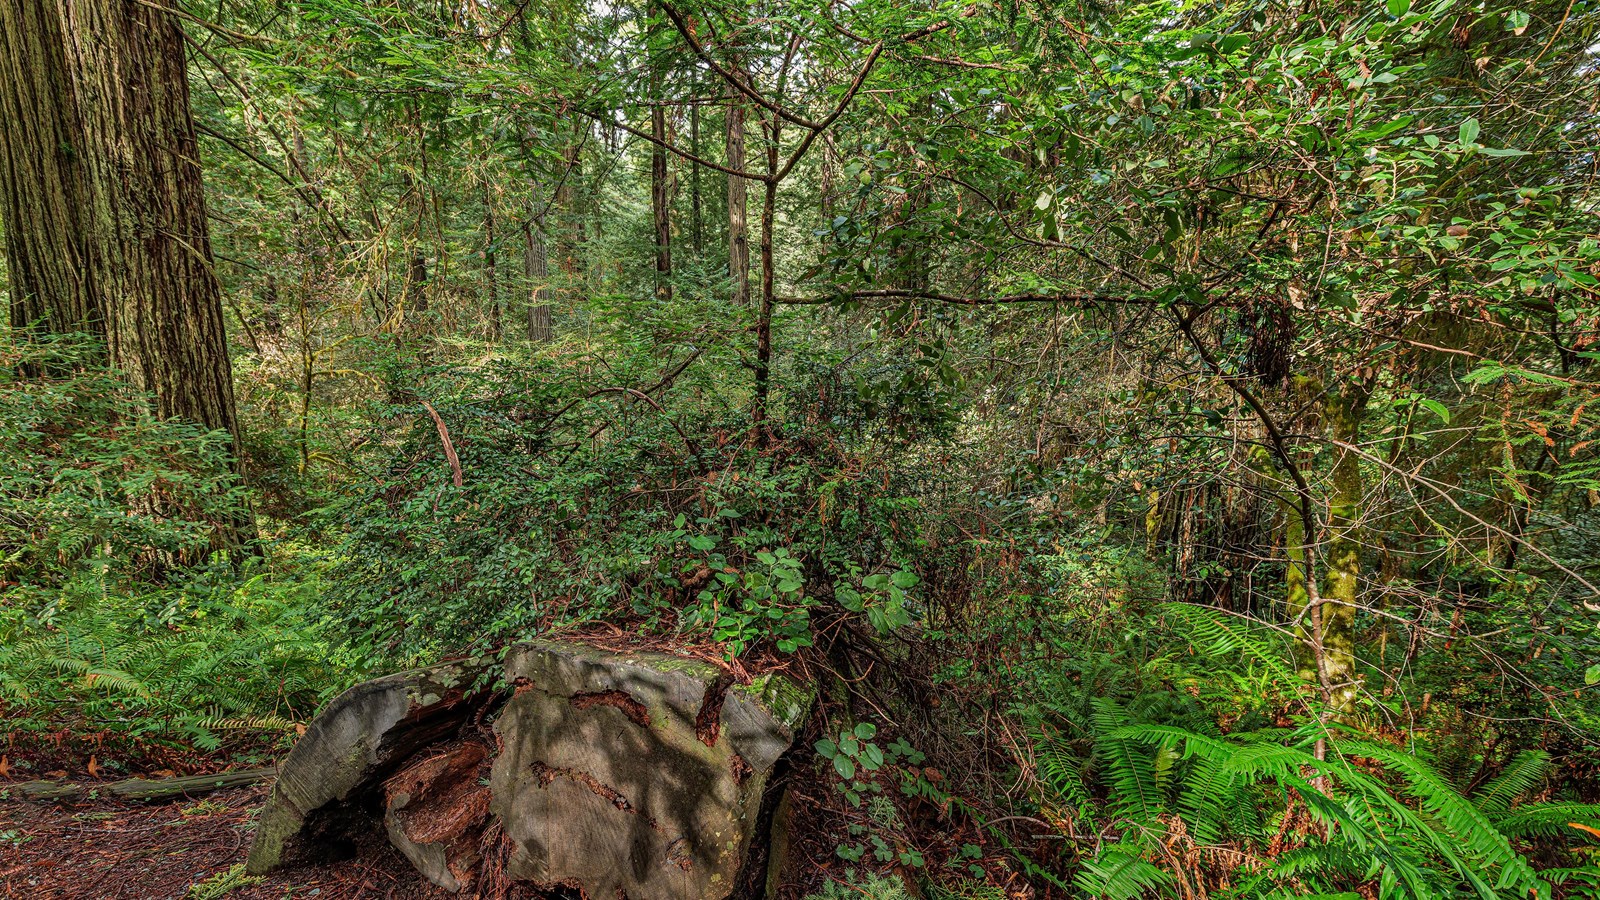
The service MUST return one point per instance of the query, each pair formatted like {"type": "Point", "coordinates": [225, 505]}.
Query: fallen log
{"type": "Point", "coordinates": [137, 788]}
{"type": "Point", "coordinates": [637, 775]}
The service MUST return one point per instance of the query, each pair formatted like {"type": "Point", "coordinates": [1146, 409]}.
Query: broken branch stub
{"type": "Point", "coordinates": [635, 775]}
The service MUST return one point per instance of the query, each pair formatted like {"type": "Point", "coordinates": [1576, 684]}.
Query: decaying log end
{"type": "Point", "coordinates": [615, 774]}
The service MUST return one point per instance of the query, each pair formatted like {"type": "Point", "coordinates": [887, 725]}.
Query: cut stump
{"type": "Point", "coordinates": [636, 775]}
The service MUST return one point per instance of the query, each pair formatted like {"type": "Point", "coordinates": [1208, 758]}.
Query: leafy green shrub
{"type": "Point", "coordinates": [577, 503]}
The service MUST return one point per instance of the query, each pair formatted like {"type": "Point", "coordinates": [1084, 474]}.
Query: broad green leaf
{"type": "Point", "coordinates": [1437, 408]}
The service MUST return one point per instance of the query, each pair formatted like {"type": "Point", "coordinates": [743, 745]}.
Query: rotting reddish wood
{"type": "Point", "coordinates": [494, 848]}
{"type": "Point", "coordinates": [708, 721]}
{"type": "Point", "coordinates": [630, 706]}
{"type": "Point", "coordinates": [442, 801]}
{"type": "Point", "coordinates": [439, 797]}
{"type": "Point", "coordinates": [548, 774]}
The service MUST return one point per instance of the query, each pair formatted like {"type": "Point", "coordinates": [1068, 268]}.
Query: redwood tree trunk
{"type": "Point", "coordinates": [661, 181]}
{"type": "Point", "coordinates": [661, 203]}
{"type": "Point", "coordinates": [569, 234]}
{"type": "Point", "coordinates": [738, 194]}
{"type": "Point", "coordinates": [101, 192]}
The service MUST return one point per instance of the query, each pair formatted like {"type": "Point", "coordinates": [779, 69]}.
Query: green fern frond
{"type": "Point", "coordinates": [1120, 872]}
{"type": "Point", "coordinates": [1127, 767]}
{"type": "Point", "coordinates": [1359, 825]}
{"type": "Point", "coordinates": [1061, 770]}
{"type": "Point", "coordinates": [1549, 820]}
{"type": "Point", "coordinates": [1525, 772]}
{"type": "Point", "coordinates": [116, 679]}
{"type": "Point", "coordinates": [1579, 883]}
{"type": "Point", "coordinates": [1221, 635]}
{"type": "Point", "coordinates": [1131, 773]}
{"type": "Point", "coordinates": [1464, 827]}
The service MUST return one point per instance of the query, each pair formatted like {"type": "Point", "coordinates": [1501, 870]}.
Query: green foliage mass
{"type": "Point", "coordinates": [112, 621]}
{"type": "Point", "coordinates": [1170, 433]}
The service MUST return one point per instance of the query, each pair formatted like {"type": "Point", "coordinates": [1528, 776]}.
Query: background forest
{"type": "Point", "coordinates": [1168, 432]}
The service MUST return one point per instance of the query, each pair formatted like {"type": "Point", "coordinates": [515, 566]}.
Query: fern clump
{"type": "Point", "coordinates": [1310, 810]}
{"type": "Point", "coordinates": [186, 664]}
{"type": "Point", "coordinates": [120, 627]}
{"type": "Point", "coordinates": [867, 887]}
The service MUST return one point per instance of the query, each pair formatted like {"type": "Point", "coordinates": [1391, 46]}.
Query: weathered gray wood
{"type": "Point", "coordinates": [637, 775]}
{"type": "Point", "coordinates": [620, 774]}
{"type": "Point", "coordinates": [138, 788]}
{"type": "Point", "coordinates": [355, 742]}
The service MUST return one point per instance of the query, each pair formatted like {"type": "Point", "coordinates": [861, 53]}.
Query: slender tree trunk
{"type": "Point", "coordinates": [1297, 535]}
{"type": "Point", "coordinates": [490, 261]}
{"type": "Point", "coordinates": [569, 233]}
{"type": "Point", "coordinates": [661, 186]}
{"type": "Point", "coordinates": [1296, 588]}
{"type": "Point", "coordinates": [308, 375]}
{"type": "Point", "coordinates": [104, 209]}
{"type": "Point", "coordinates": [661, 203]}
{"type": "Point", "coordinates": [1344, 409]}
{"type": "Point", "coordinates": [825, 177]}
{"type": "Point", "coordinates": [738, 236]}
{"type": "Point", "coordinates": [696, 210]}
{"type": "Point", "coordinates": [415, 294]}
{"type": "Point", "coordinates": [769, 210]}
{"type": "Point", "coordinates": [536, 271]}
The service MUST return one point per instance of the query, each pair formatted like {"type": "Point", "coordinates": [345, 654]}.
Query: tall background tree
{"type": "Point", "coordinates": [104, 206]}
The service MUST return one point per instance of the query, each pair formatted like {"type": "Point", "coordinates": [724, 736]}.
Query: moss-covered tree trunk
{"type": "Point", "coordinates": [1344, 411]}
{"type": "Point", "coordinates": [101, 193]}
{"type": "Point", "coordinates": [1297, 593]}
{"type": "Point", "coordinates": [1298, 535]}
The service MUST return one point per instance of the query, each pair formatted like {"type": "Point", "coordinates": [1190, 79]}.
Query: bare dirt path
{"type": "Point", "coordinates": [182, 849]}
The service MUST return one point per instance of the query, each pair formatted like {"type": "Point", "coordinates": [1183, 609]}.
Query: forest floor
{"type": "Point", "coordinates": [182, 849]}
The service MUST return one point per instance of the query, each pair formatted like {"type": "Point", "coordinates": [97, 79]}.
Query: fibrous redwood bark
{"type": "Point", "coordinates": [661, 204]}
{"type": "Point", "coordinates": [536, 272]}
{"type": "Point", "coordinates": [102, 200]}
